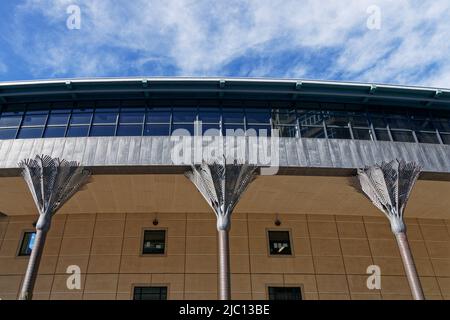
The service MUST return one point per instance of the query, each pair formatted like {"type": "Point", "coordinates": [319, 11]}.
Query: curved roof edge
{"type": "Point", "coordinates": [224, 88]}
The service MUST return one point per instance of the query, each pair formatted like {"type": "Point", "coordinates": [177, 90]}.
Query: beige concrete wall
{"type": "Point", "coordinates": [331, 254]}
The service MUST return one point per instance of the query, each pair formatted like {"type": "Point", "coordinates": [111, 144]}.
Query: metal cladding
{"type": "Point", "coordinates": [119, 153]}
{"type": "Point", "coordinates": [388, 186]}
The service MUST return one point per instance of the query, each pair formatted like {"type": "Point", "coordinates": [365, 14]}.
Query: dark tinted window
{"type": "Point", "coordinates": [54, 132]}
{"type": "Point", "coordinates": [77, 131]}
{"type": "Point", "coordinates": [27, 133]}
{"type": "Point", "coordinates": [150, 293]}
{"type": "Point", "coordinates": [279, 243]}
{"type": "Point", "coordinates": [154, 242]}
{"type": "Point", "coordinates": [285, 293]}
{"type": "Point", "coordinates": [27, 243]}
{"type": "Point", "coordinates": [129, 130]}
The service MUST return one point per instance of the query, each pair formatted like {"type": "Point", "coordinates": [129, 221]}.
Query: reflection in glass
{"type": "Point", "coordinates": [312, 132]}
{"type": "Point", "coordinates": [102, 131]}
{"type": "Point", "coordinates": [34, 120]}
{"type": "Point", "coordinates": [55, 119]}
{"type": "Point", "coordinates": [338, 133]}
{"type": "Point", "coordinates": [10, 121]}
{"type": "Point", "coordinates": [77, 131]}
{"type": "Point", "coordinates": [105, 118]}
{"type": "Point", "coordinates": [8, 133]}
{"type": "Point", "coordinates": [81, 118]}
{"type": "Point", "coordinates": [129, 130]}
{"type": "Point", "coordinates": [427, 137]}
{"type": "Point", "coordinates": [156, 130]}
{"type": "Point", "coordinates": [28, 133]}
{"type": "Point", "coordinates": [402, 136]}
{"type": "Point", "coordinates": [131, 117]}
{"type": "Point", "coordinates": [54, 132]}
{"type": "Point", "coordinates": [362, 134]}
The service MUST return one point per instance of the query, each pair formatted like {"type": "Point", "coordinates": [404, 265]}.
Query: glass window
{"type": "Point", "coordinates": [286, 131]}
{"type": "Point", "coordinates": [27, 243]}
{"type": "Point", "coordinates": [102, 131]}
{"type": "Point", "coordinates": [131, 117]}
{"type": "Point", "coordinates": [150, 293]}
{"type": "Point", "coordinates": [158, 116]}
{"type": "Point", "coordinates": [78, 131]}
{"type": "Point", "coordinates": [423, 125]}
{"type": "Point", "coordinates": [184, 116]}
{"type": "Point", "coordinates": [259, 130]}
{"type": "Point", "coordinates": [359, 120]}
{"type": "Point", "coordinates": [337, 119]}
{"type": "Point", "coordinates": [427, 137]}
{"type": "Point", "coordinates": [209, 116]}
{"type": "Point", "coordinates": [58, 119]}
{"type": "Point", "coordinates": [81, 118]}
{"type": "Point", "coordinates": [154, 242]}
{"type": "Point", "coordinates": [402, 136]}
{"type": "Point", "coordinates": [10, 121]}
{"type": "Point", "coordinates": [257, 117]}
{"type": "Point", "coordinates": [279, 243]}
{"type": "Point", "coordinates": [382, 135]}
{"type": "Point", "coordinates": [186, 129]}
{"type": "Point", "coordinates": [156, 130]}
{"type": "Point", "coordinates": [34, 119]}
{"type": "Point", "coordinates": [397, 121]}
{"type": "Point", "coordinates": [338, 133]}
{"type": "Point", "coordinates": [234, 130]}
{"type": "Point", "coordinates": [442, 124]}
{"type": "Point", "coordinates": [284, 117]}
{"type": "Point", "coordinates": [285, 293]}
{"type": "Point", "coordinates": [310, 118]}
{"type": "Point", "coordinates": [54, 132]}
{"type": "Point", "coordinates": [445, 138]}
{"type": "Point", "coordinates": [378, 121]}
{"type": "Point", "coordinates": [210, 129]}
{"type": "Point", "coordinates": [362, 134]}
{"type": "Point", "coordinates": [8, 133]}
{"type": "Point", "coordinates": [105, 117]}
{"type": "Point", "coordinates": [233, 116]}
{"type": "Point", "coordinates": [129, 130]}
{"type": "Point", "coordinates": [312, 132]}
{"type": "Point", "coordinates": [27, 133]}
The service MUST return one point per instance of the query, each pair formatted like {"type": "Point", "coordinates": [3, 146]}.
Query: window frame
{"type": "Point", "coordinates": [141, 246]}
{"type": "Point", "coordinates": [146, 285]}
{"type": "Point", "coordinates": [289, 230]}
{"type": "Point", "coordinates": [19, 249]}
{"type": "Point", "coordinates": [278, 285]}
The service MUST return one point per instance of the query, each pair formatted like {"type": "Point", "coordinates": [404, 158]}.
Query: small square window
{"type": "Point", "coordinates": [150, 293]}
{"type": "Point", "coordinates": [154, 242]}
{"type": "Point", "coordinates": [27, 243]}
{"type": "Point", "coordinates": [279, 243]}
{"type": "Point", "coordinates": [285, 293]}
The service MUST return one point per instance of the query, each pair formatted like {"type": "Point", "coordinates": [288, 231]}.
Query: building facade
{"type": "Point", "coordinates": [141, 230]}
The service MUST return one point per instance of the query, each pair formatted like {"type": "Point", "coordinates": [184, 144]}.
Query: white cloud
{"type": "Point", "coordinates": [204, 37]}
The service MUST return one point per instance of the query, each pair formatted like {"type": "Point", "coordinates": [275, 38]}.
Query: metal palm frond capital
{"type": "Point", "coordinates": [222, 185]}
{"type": "Point", "coordinates": [389, 186]}
{"type": "Point", "coordinates": [52, 182]}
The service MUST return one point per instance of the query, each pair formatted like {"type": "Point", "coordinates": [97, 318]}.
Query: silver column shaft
{"type": "Point", "coordinates": [410, 268]}
{"type": "Point", "coordinates": [29, 280]}
{"type": "Point", "coordinates": [224, 265]}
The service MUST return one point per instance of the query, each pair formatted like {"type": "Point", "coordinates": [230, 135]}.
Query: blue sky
{"type": "Point", "coordinates": [309, 39]}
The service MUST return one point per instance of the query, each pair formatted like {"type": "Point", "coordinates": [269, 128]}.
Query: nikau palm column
{"type": "Point", "coordinates": [52, 182]}
{"type": "Point", "coordinates": [389, 186]}
{"type": "Point", "coordinates": [222, 185]}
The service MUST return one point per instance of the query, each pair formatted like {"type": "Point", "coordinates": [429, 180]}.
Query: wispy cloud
{"type": "Point", "coordinates": [290, 38]}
